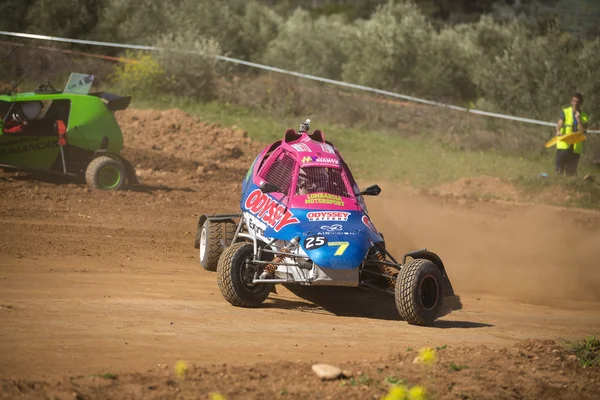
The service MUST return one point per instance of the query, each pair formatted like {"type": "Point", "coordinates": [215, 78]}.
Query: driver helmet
{"type": "Point", "coordinates": [318, 183]}
{"type": "Point", "coordinates": [31, 110]}
{"type": "Point", "coordinates": [304, 184]}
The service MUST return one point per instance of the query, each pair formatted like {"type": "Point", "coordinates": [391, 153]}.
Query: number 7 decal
{"type": "Point", "coordinates": [342, 246]}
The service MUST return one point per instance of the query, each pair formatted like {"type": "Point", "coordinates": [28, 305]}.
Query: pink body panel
{"type": "Point", "coordinates": [309, 153]}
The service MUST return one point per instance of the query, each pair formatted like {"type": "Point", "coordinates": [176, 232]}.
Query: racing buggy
{"type": "Point", "coordinates": [67, 132]}
{"type": "Point", "coordinates": [304, 221]}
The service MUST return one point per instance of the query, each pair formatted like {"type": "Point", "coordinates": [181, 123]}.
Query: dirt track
{"type": "Point", "coordinates": [94, 282]}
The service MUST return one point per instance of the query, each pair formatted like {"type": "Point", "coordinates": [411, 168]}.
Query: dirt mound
{"type": "Point", "coordinates": [161, 144]}
{"type": "Point", "coordinates": [528, 370]}
{"type": "Point", "coordinates": [480, 187]}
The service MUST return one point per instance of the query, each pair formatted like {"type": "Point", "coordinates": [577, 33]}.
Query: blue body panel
{"type": "Point", "coordinates": [336, 240]}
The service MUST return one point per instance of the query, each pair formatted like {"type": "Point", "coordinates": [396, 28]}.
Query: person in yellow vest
{"type": "Point", "coordinates": [572, 119]}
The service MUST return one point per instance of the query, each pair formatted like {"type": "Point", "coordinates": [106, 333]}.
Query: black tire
{"type": "Point", "coordinates": [234, 287]}
{"type": "Point", "coordinates": [105, 173]}
{"type": "Point", "coordinates": [214, 237]}
{"type": "Point", "coordinates": [419, 292]}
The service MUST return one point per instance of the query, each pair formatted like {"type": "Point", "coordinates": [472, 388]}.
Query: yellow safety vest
{"type": "Point", "coordinates": [568, 128]}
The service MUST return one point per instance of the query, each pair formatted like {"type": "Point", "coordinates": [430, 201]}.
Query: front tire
{"type": "Point", "coordinates": [419, 292]}
{"type": "Point", "coordinates": [105, 173]}
{"type": "Point", "coordinates": [235, 279]}
{"type": "Point", "coordinates": [214, 237]}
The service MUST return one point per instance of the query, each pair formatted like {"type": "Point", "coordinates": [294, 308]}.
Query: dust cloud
{"type": "Point", "coordinates": [532, 253]}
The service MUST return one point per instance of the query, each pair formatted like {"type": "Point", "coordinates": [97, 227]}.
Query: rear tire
{"type": "Point", "coordinates": [214, 237]}
{"type": "Point", "coordinates": [419, 292]}
{"type": "Point", "coordinates": [235, 279]}
{"type": "Point", "coordinates": [106, 173]}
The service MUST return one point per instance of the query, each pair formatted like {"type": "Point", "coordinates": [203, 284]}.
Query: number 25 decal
{"type": "Point", "coordinates": [342, 246]}
{"type": "Point", "coordinates": [314, 242]}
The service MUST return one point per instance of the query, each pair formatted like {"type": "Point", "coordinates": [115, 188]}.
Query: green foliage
{"type": "Point", "coordinates": [363, 379]}
{"type": "Point", "coordinates": [563, 190]}
{"type": "Point", "coordinates": [13, 14]}
{"type": "Point", "coordinates": [141, 75]}
{"type": "Point", "coordinates": [207, 19]}
{"type": "Point", "coordinates": [394, 380]}
{"type": "Point", "coordinates": [515, 60]}
{"type": "Point", "coordinates": [310, 46]}
{"type": "Point", "coordinates": [534, 76]}
{"type": "Point", "coordinates": [189, 62]}
{"type": "Point", "coordinates": [133, 22]}
{"type": "Point", "coordinates": [70, 18]}
{"type": "Point", "coordinates": [108, 375]}
{"type": "Point", "coordinates": [587, 351]}
{"type": "Point", "coordinates": [259, 26]}
{"type": "Point", "coordinates": [455, 367]}
{"type": "Point", "coordinates": [445, 66]}
{"type": "Point", "coordinates": [385, 50]}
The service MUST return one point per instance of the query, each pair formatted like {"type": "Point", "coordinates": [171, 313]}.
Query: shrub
{"type": "Point", "coordinates": [385, 50]}
{"type": "Point", "coordinates": [446, 64]}
{"type": "Point", "coordinates": [310, 46]}
{"type": "Point", "coordinates": [143, 76]}
{"type": "Point", "coordinates": [133, 22]}
{"type": "Point", "coordinates": [259, 26]}
{"type": "Point", "coordinates": [190, 63]}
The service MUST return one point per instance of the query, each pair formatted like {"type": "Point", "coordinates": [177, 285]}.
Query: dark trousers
{"type": "Point", "coordinates": [567, 161]}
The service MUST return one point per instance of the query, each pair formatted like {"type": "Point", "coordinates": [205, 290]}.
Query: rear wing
{"type": "Point", "coordinates": [113, 102]}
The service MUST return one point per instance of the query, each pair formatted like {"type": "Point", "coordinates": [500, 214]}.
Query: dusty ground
{"type": "Point", "coordinates": [108, 283]}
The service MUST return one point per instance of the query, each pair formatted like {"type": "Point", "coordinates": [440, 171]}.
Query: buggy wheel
{"type": "Point", "coordinates": [214, 237]}
{"type": "Point", "coordinates": [235, 278]}
{"type": "Point", "coordinates": [419, 292]}
{"type": "Point", "coordinates": [106, 173]}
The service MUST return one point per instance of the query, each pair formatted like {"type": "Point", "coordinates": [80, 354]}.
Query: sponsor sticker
{"type": "Point", "coordinates": [25, 148]}
{"type": "Point", "coordinates": [269, 210]}
{"type": "Point", "coordinates": [332, 228]}
{"type": "Point", "coordinates": [324, 198]}
{"type": "Point", "coordinates": [369, 224]}
{"type": "Point", "coordinates": [327, 148]}
{"type": "Point", "coordinates": [314, 242]}
{"type": "Point", "coordinates": [256, 226]}
{"type": "Point", "coordinates": [322, 160]}
{"type": "Point", "coordinates": [327, 215]}
{"type": "Point", "coordinates": [342, 246]}
{"type": "Point", "coordinates": [301, 147]}
{"type": "Point", "coordinates": [345, 233]}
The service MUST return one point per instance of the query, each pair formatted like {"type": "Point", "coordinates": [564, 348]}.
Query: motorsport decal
{"type": "Point", "coordinates": [323, 160]}
{"type": "Point", "coordinates": [268, 210]}
{"type": "Point", "coordinates": [324, 198]}
{"type": "Point", "coordinates": [347, 233]}
{"type": "Point", "coordinates": [332, 228]}
{"type": "Point", "coordinates": [342, 246]}
{"type": "Point", "coordinates": [368, 223]}
{"type": "Point", "coordinates": [327, 148]}
{"type": "Point", "coordinates": [18, 140]}
{"type": "Point", "coordinates": [301, 147]}
{"type": "Point", "coordinates": [256, 226]}
{"type": "Point", "coordinates": [328, 233]}
{"type": "Point", "coordinates": [314, 242]}
{"type": "Point", "coordinates": [41, 145]}
{"type": "Point", "coordinates": [328, 216]}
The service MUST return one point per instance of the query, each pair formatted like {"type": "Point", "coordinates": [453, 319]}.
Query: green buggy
{"type": "Point", "coordinates": [69, 132]}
